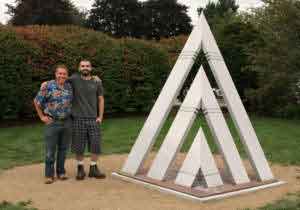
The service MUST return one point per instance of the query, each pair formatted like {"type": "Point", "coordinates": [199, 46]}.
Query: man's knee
{"type": "Point", "coordinates": [79, 157]}
{"type": "Point", "coordinates": [50, 156]}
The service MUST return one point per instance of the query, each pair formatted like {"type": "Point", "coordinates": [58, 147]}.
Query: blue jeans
{"type": "Point", "coordinates": [57, 140]}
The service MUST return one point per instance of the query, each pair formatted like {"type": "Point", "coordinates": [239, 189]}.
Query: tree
{"type": "Point", "coordinates": [276, 58]}
{"type": "Point", "coordinates": [219, 9]}
{"type": "Point", "coordinates": [152, 19]}
{"type": "Point", "coordinates": [37, 12]}
{"type": "Point", "coordinates": [235, 36]}
{"type": "Point", "coordinates": [116, 17]}
{"type": "Point", "coordinates": [165, 19]}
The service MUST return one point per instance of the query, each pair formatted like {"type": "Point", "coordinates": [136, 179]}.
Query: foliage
{"type": "Point", "coordinates": [290, 202]}
{"type": "Point", "coordinates": [165, 18]}
{"type": "Point", "coordinates": [260, 48]}
{"type": "Point", "coordinates": [151, 19]}
{"type": "Point", "coordinates": [19, 206]}
{"type": "Point", "coordinates": [276, 59]}
{"type": "Point", "coordinates": [15, 78]}
{"type": "Point", "coordinates": [220, 8]}
{"type": "Point", "coordinates": [36, 12]}
{"type": "Point", "coordinates": [116, 17]}
{"type": "Point", "coordinates": [235, 37]}
{"type": "Point", "coordinates": [133, 71]}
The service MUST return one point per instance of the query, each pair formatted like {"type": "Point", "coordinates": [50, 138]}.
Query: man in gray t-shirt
{"type": "Point", "coordinates": [86, 93]}
{"type": "Point", "coordinates": [87, 113]}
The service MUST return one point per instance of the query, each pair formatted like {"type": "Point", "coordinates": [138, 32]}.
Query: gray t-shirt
{"type": "Point", "coordinates": [86, 93]}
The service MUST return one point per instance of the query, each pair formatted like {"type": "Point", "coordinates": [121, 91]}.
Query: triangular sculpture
{"type": "Point", "coordinates": [200, 97]}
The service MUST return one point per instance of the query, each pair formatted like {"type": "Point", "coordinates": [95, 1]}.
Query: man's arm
{"type": "Point", "coordinates": [47, 120]}
{"type": "Point", "coordinates": [100, 108]}
{"type": "Point", "coordinates": [72, 78]}
{"type": "Point", "coordinates": [96, 78]}
{"type": "Point", "coordinates": [40, 99]}
{"type": "Point", "coordinates": [100, 101]}
{"type": "Point", "coordinates": [43, 86]}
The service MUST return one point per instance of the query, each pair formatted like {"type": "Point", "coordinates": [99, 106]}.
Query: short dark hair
{"type": "Point", "coordinates": [84, 60]}
{"type": "Point", "coordinates": [61, 66]}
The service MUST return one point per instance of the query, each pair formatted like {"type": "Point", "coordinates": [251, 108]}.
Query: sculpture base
{"type": "Point", "coordinates": [198, 192]}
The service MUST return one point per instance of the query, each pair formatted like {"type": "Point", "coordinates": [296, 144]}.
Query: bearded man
{"type": "Point", "coordinates": [87, 116]}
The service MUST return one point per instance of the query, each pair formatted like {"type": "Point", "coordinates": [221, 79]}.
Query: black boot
{"type": "Point", "coordinates": [96, 173]}
{"type": "Point", "coordinates": [80, 172]}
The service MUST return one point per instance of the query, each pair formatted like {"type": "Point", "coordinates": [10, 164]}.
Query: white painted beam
{"type": "Point", "coordinates": [199, 158]}
{"type": "Point", "coordinates": [221, 133]}
{"type": "Point", "coordinates": [234, 103]}
{"type": "Point", "coordinates": [163, 105]}
{"type": "Point", "coordinates": [177, 132]}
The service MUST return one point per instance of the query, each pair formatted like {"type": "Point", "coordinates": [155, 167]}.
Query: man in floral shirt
{"type": "Point", "coordinates": [53, 104]}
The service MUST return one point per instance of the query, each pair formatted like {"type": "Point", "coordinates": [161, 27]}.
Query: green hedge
{"type": "Point", "coordinates": [133, 71]}
{"type": "Point", "coordinates": [16, 57]}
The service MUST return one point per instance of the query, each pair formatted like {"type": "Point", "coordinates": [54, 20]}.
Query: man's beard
{"type": "Point", "coordinates": [85, 73]}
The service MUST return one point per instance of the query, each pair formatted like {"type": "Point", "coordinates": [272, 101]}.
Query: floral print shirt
{"type": "Point", "coordinates": [55, 101]}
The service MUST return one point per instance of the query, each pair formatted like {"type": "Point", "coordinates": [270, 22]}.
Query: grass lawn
{"type": "Point", "coordinates": [290, 202]}
{"type": "Point", "coordinates": [279, 138]}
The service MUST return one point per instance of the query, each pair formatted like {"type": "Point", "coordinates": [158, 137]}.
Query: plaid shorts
{"type": "Point", "coordinates": [85, 132]}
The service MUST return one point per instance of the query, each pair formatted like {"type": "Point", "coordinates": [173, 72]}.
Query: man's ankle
{"type": "Point", "coordinates": [80, 162]}
{"type": "Point", "coordinates": [93, 163]}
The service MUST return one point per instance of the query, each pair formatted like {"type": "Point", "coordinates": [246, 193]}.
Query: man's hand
{"type": "Point", "coordinates": [44, 85]}
{"type": "Point", "coordinates": [99, 120]}
{"type": "Point", "coordinates": [96, 78]}
{"type": "Point", "coordinates": [47, 120]}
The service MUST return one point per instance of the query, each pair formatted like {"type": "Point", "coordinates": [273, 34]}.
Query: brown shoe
{"type": "Point", "coordinates": [62, 177]}
{"type": "Point", "coordinates": [49, 180]}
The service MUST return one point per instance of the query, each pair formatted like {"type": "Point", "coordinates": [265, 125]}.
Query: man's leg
{"type": "Point", "coordinates": [63, 144]}
{"type": "Point", "coordinates": [94, 157]}
{"type": "Point", "coordinates": [95, 149]}
{"type": "Point", "coordinates": [80, 167]}
{"type": "Point", "coordinates": [51, 138]}
{"type": "Point", "coordinates": [79, 138]}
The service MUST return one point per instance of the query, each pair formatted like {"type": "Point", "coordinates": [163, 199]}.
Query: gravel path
{"type": "Point", "coordinates": [26, 183]}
